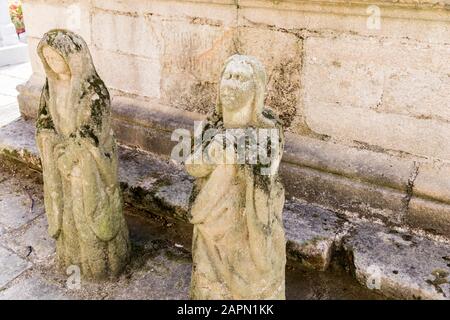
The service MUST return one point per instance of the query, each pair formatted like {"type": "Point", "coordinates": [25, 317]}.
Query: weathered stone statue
{"type": "Point", "coordinates": [239, 243]}
{"type": "Point", "coordinates": [79, 159]}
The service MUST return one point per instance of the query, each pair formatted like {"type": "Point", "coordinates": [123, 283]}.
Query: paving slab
{"type": "Point", "coordinates": [20, 71]}
{"type": "Point", "coordinates": [7, 100]}
{"type": "Point", "coordinates": [9, 113]}
{"type": "Point", "coordinates": [10, 77]}
{"type": "Point", "coordinates": [14, 54]}
{"type": "Point", "coordinates": [35, 288]}
{"type": "Point", "coordinates": [19, 135]}
{"type": "Point", "coordinates": [8, 85]}
{"type": "Point", "coordinates": [160, 278]}
{"type": "Point", "coordinates": [399, 264]}
{"type": "Point", "coordinates": [11, 266]}
{"type": "Point", "coordinates": [16, 206]}
{"type": "Point", "coordinates": [33, 243]}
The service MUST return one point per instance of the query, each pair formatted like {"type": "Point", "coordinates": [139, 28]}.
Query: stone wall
{"type": "Point", "coordinates": [365, 100]}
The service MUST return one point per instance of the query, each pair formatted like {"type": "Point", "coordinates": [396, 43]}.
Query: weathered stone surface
{"type": "Point", "coordinates": [34, 288]}
{"type": "Point", "coordinates": [176, 197]}
{"type": "Point", "coordinates": [143, 174]}
{"type": "Point", "coordinates": [115, 32]}
{"type": "Point", "coordinates": [16, 206]}
{"type": "Point", "coordinates": [411, 113]}
{"type": "Point", "coordinates": [432, 182]}
{"type": "Point", "coordinates": [159, 278]}
{"type": "Point", "coordinates": [147, 127]}
{"type": "Point", "coordinates": [73, 15]}
{"type": "Point", "coordinates": [33, 242]}
{"type": "Point", "coordinates": [351, 162]}
{"type": "Point", "coordinates": [19, 143]}
{"type": "Point", "coordinates": [344, 17]}
{"type": "Point", "coordinates": [78, 150]}
{"type": "Point", "coordinates": [145, 83]}
{"type": "Point", "coordinates": [313, 234]}
{"type": "Point", "coordinates": [29, 95]}
{"type": "Point", "coordinates": [185, 44]}
{"type": "Point", "coordinates": [222, 10]}
{"type": "Point", "coordinates": [398, 264]}
{"type": "Point", "coordinates": [161, 260]}
{"type": "Point", "coordinates": [191, 63]}
{"type": "Point", "coordinates": [154, 184]}
{"type": "Point", "coordinates": [281, 54]}
{"type": "Point", "coordinates": [343, 195]}
{"type": "Point", "coordinates": [12, 266]}
{"type": "Point", "coordinates": [431, 216]}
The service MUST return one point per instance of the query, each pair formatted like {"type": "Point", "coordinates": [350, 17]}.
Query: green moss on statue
{"type": "Point", "coordinates": [79, 158]}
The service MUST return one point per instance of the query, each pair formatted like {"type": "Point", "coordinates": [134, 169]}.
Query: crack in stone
{"type": "Point", "coordinates": [410, 188]}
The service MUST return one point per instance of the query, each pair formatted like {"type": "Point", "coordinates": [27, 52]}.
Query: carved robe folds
{"type": "Point", "coordinates": [239, 243]}
{"type": "Point", "coordinates": [79, 158]}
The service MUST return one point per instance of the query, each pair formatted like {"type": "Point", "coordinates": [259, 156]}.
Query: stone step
{"type": "Point", "coordinates": [398, 265]}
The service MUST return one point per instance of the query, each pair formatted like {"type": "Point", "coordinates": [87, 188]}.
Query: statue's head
{"type": "Point", "coordinates": [241, 91]}
{"type": "Point", "coordinates": [64, 55]}
{"type": "Point", "coordinates": [66, 59]}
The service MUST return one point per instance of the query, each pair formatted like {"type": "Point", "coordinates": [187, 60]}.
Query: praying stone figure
{"type": "Point", "coordinates": [239, 246]}
{"type": "Point", "coordinates": [79, 159]}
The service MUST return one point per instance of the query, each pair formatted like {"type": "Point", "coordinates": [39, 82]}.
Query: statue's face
{"type": "Point", "coordinates": [237, 87]}
{"type": "Point", "coordinates": [55, 61]}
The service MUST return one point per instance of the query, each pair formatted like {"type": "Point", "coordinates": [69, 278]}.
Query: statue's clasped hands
{"type": "Point", "coordinates": [218, 153]}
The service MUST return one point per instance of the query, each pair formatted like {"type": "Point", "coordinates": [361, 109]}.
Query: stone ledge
{"type": "Point", "coordinates": [360, 181]}
{"type": "Point", "coordinates": [406, 266]}
{"type": "Point", "coordinates": [398, 264]}
{"type": "Point", "coordinates": [159, 186]}
{"type": "Point", "coordinates": [149, 125]}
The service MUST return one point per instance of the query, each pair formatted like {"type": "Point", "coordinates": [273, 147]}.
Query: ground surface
{"type": "Point", "coordinates": [10, 78]}
{"type": "Point", "coordinates": [160, 267]}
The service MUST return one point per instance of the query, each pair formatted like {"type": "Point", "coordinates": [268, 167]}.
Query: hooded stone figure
{"type": "Point", "coordinates": [239, 248]}
{"type": "Point", "coordinates": [79, 158]}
